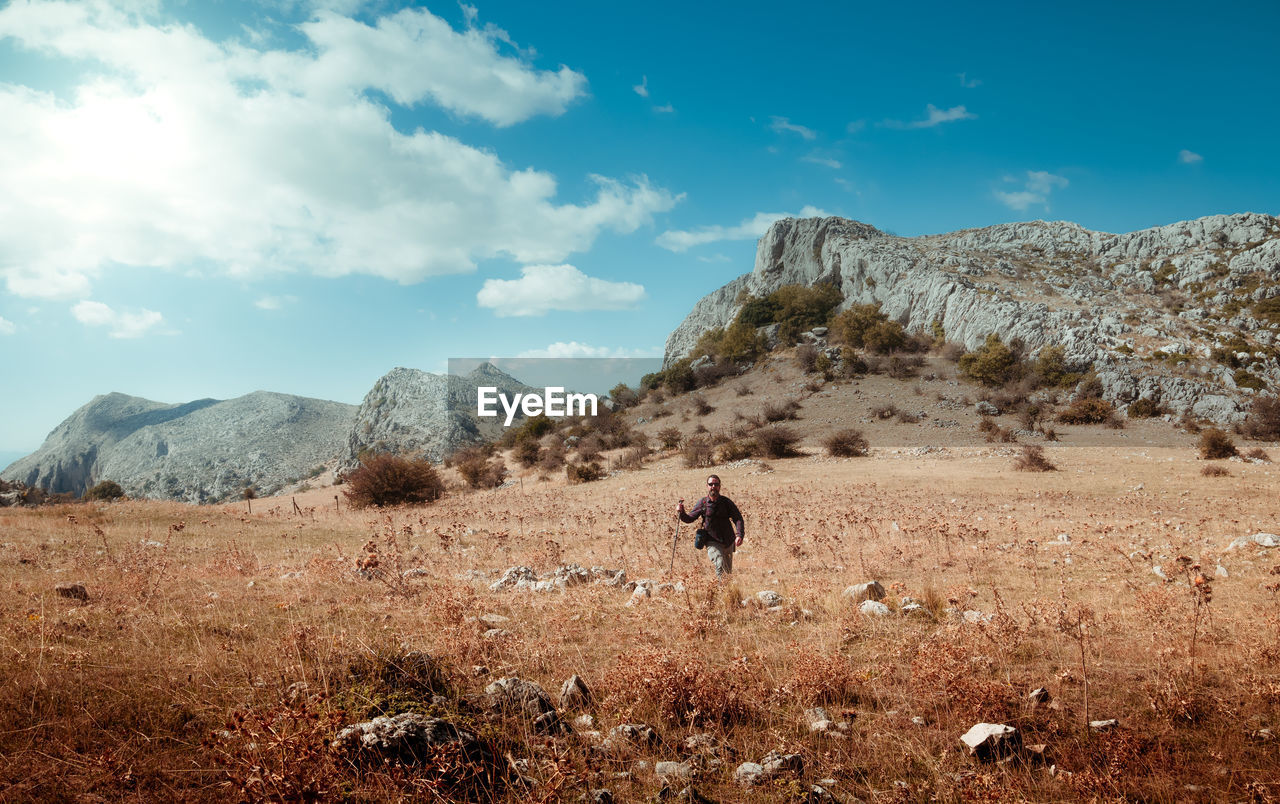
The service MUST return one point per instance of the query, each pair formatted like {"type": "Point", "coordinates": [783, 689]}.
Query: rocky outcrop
{"type": "Point", "coordinates": [412, 412]}
{"type": "Point", "coordinates": [1131, 305]}
{"type": "Point", "coordinates": [202, 451]}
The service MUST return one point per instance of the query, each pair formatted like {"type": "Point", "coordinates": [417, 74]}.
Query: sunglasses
{"type": "Point", "coordinates": [713, 484]}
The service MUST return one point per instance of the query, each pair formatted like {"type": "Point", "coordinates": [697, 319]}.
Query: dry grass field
{"type": "Point", "coordinates": [220, 651]}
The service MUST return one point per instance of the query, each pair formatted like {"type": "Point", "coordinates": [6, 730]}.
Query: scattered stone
{"type": "Point", "coordinates": [1263, 736]}
{"type": "Point", "coordinates": [677, 770]}
{"type": "Point", "coordinates": [707, 744]}
{"type": "Point", "coordinates": [985, 408]}
{"type": "Point", "coordinates": [494, 620]}
{"type": "Point", "coordinates": [479, 671]}
{"type": "Point", "coordinates": [1221, 572]}
{"type": "Point", "coordinates": [776, 763]}
{"type": "Point", "coordinates": [873, 608]}
{"type": "Point", "coordinates": [769, 598]}
{"type": "Point", "coordinates": [600, 796]}
{"type": "Point", "coordinates": [871, 590]}
{"type": "Point", "coordinates": [497, 634]}
{"type": "Point", "coordinates": [75, 591]}
{"type": "Point", "coordinates": [919, 721]}
{"type": "Point", "coordinates": [550, 723]}
{"type": "Point", "coordinates": [913, 609]}
{"type": "Point", "coordinates": [975, 617]}
{"type": "Point", "coordinates": [513, 577]}
{"type": "Point", "coordinates": [988, 741]}
{"type": "Point", "coordinates": [1103, 725]}
{"type": "Point", "coordinates": [1158, 571]}
{"type": "Point", "coordinates": [640, 595]}
{"type": "Point", "coordinates": [687, 795]}
{"type": "Point", "coordinates": [574, 693]}
{"type": "Point", "coordinates": [638, 734]}
{"type": "Point", "coordinates": [416, 572]}
{"type": "Point", "coordinates": [1038, 696]}
{"type": "Point", "coordinates": [748, 773]}
{"type": "Point", "coordinates": [1261, 539]}
{"type": "Point", "coordinates": [405, 738]}
{"type": "Point", "coordinates": [516, 693]}
{"type": "Point", "coordinates": [815, 794]}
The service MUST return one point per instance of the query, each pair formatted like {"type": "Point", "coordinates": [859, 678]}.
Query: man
{"type": "Point", "coordinates": [722, 520]}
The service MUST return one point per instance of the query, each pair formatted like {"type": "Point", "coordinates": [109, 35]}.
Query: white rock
{"type": "Point", "coordinates": [873, 608]}
{"type": "Point", "coordinates": [989, 740]}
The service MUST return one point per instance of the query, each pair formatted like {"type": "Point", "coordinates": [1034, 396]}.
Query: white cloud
{"type": "Point", "coordinates": [181, 151]}
{"type": "Point", "coordinates": [715, 258]}
{"type": "Point", "coordinates": [1189, 157]}
{"type": "Point", "coordinates": [274, 302]}
{"type": "Point", "coordinates": [7, 327]}
{"type": "Point", "coordinates": [642, 88]}
{"type": "Point", "coordinates": [666, 109]}
{"type": "Point", "coordinates": [576, 349]}
{"type": "Point", "coordinates": [782, 124]}
{"type": "Point", "coordinates": [542, 288]}
{"type": "Point", "coordinates": [825, 161]}
{"type": "Point", "coordinates": [119, 325]}
{"type": "Point", "coordinates": [855, 126]}
{"type": "Point", "coordinates": [968, 83]}
{"type": "Point", "coordinates": [934, 117]}
{"type": "Point", "coordinates": [1037, 186]}
{"type": "Point", "coordinates": [750, 229]}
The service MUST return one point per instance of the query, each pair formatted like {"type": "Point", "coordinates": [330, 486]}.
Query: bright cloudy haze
{"type": "Point", "coordinates": [206, 199]}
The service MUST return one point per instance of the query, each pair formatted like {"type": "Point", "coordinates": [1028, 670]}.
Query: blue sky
{"type": "Point", "coordinates": [203, 199]}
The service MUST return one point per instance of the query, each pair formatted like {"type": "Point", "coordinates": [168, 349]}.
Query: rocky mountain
{"type": "Point", "coordinates": [416, 412]}
{"type": "Point", "coordinates": [202, 451]}
{"type": "Point", "coordinates": [1186, 314]}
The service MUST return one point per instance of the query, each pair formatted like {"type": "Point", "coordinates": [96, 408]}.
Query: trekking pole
{"type": "Point", "coordinates": [675, 537]}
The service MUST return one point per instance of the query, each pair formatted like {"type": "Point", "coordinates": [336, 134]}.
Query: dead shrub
{"type": "Point", "coordinates": [681, 688]}
{"type": "Point", "coordinates": [632, 458]}
{"type": "Point", "coordinates": [1032, 459]}
{"type": "Point", "coordinates": [777, 441]}
{"type": "Point", "coordinates": [590, 446]}
{"type": "Point", "coordinates": [904, 367]}
{"type": "Point", "coordinates": [698, 452]}
{"type": "Point", "coordinates": [280, 753]}
{"type": "Point", "coordinates": [383, 480]}
{"type": "Point", "coordinates": [1263, 422]}
{"type": "Point", "coordinates": [553, 456]}
{"type": "Point", "coordinates": [1258, 454]}
{"type": "Point", "coordinates": [1146, 409]}
{"type": "Point", "coordinates": [907, 417]}
{"type": "Point", "coordinates": [884, 412]}
{"type": "Point", "coordinates": [736, 450]}
{"type": "Point", "coordinates": [1214, 470]}
{"type": "Point", "coordinates": [1215, 443]}
{"type": "Point", "coordinates": [806, 358]}
{"type": "Point", "coordinates": [1088, 410]}
{"type": "Point", "coordinates": [994, 432]}
{"type": "Point", "coordinates": [848, 443]}
{"type": "Point", "coordinates": [701, 407]}
{"type": "Point", "coordinates": [482, 473]}
{"type": "Point", "coordinates": [669, 437]}
{"type": "Point", "coordinates": [781, 412]}
{"type": "Point", "coordinates": [814, 679]}
{"type": "Point", "coordinates": [583, 472]}
{"type": "Point", "coordinates": [527, 453]}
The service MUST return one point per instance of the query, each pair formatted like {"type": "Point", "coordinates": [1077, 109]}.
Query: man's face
{"type": "Point", "coordinates": [713, 487]}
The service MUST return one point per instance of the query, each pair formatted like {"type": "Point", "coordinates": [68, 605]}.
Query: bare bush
{"type": "Point", "coordinates": [1263, 422]}
{"type": "Point", "coordinates": [781, 411]}
{"type": "Point", "coordinates": [777, 441]}
{"type": "Point", "coordinates": [583, 472]}
{"type": "Point", "coordinates": [669, 437]}
{"type": "Point", "coordinates": [1032, 459]}
{"type": "Point", "coordinates": [847, 443]}
{"type": "Point", "coordinates": [1215, 443]}
{"type": "Point", "coordinates": [700, 406]}
{"type": "Point", "coordinates": [1215, 470]}
{"type": "Point", "coordinates": [383, 480]}
{"type": "Point", "coordinates": [1088, 410]}
{"type": "Point", "coordinates": [698, 452]}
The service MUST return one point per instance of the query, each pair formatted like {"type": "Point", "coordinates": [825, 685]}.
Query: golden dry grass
{"type": "Point", "coordinates": [220, 651]}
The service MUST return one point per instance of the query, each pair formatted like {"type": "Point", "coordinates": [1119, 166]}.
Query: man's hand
{"type": "Point", "coordinates": [738, 541]}
{"type": "Point", "coordinates": [680, 507]}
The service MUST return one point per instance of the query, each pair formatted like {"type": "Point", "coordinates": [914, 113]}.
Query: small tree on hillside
{"type": "Point", "coordinates": [105, 491]}
{"type": "Point", "coordinates": [993, 364]}
{"type": "Point", "coordinates": [383, 480]}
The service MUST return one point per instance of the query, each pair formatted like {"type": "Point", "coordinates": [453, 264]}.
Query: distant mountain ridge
{"type": "Point", "coordinates": [1174, 314]}
{"type": "Point", "coordinates": [207, 450]}
{"type": "Point", "coordinates": [210, 450]}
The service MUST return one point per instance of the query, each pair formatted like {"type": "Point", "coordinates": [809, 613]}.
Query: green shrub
{"type": "Point", "coordinates": [383, 480]}
{"type": "Point", "coordinates": [1247, 379]}
{"type": "Point", "coordinates": [847, 443]}
{"type": "Point", "coordinates": [105, 491]}
{"type": "Point", "coordinates": [863, 326]}
{"type": "Point", "coordinates": [1089, 410]}
{"type": "Point", "coordinates": [1051, 368]}
{"type": "Point", "coordinates": [992, 364]}
{"type": "Point", "coordinates": [1215, 443]}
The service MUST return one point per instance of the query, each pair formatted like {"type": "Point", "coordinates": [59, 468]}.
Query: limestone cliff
{"type": "Point", "coordinates": [1147, 308]}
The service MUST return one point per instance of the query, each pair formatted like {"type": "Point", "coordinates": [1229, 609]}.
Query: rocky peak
{"type": "Point", "coordinates": [1132, 305]}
